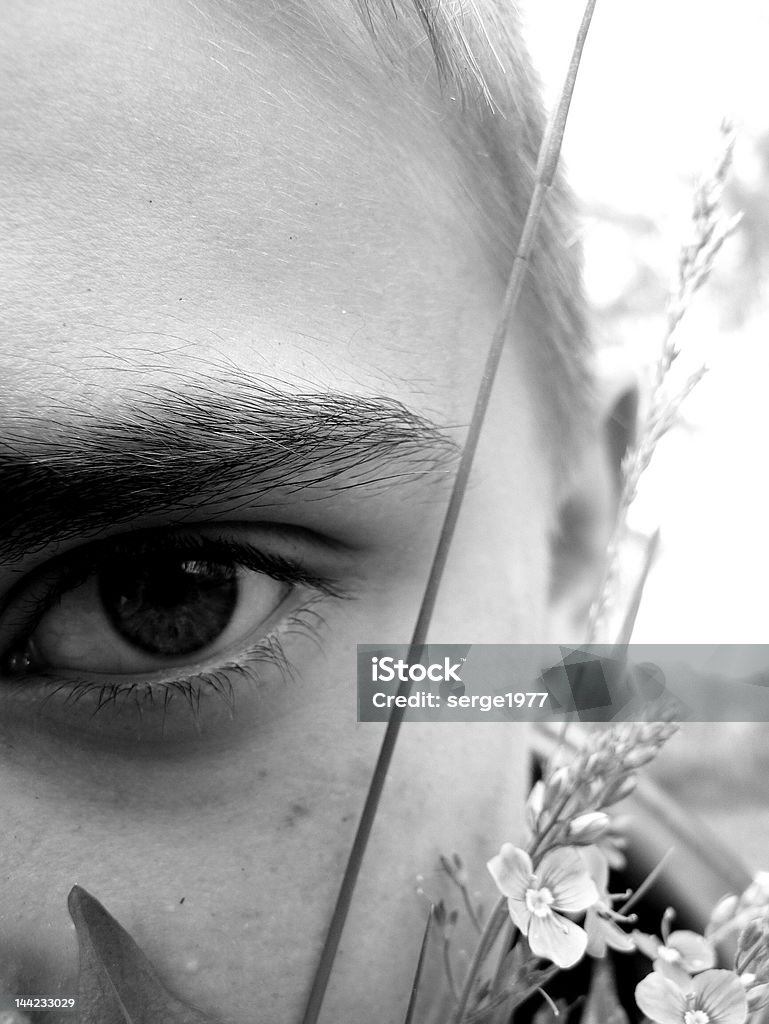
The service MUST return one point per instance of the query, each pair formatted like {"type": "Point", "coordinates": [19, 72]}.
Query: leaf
{"type": "Point", "coordinates": [603, 1005]}
{"type": "Point", "coordinates": [117, 983]}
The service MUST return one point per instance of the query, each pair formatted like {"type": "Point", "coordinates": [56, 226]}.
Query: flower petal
{"type": "Point", "coordinates": [596, 936]}
{"type": "Point", "coordinates": [616, 938]}
{"type": "Point", "coordinates": [721, 995]}
{"type": "Point", "coordinates": [649, 945]}
{"type": "Point", "coordinates": [660, 1000]}
{"type": "Point", "coordinates": [697, 954]}
{"type": "Point", "coordinates": [675, 973]}
{"type": "Point", "coordinates": [520, 914]}
{"type": "Point", "coordinates": [564, 873]}
{"type": "Point", "coordinates": [597, 866]}
{"type": "Point", "coordinates": [602, 932]}
{"type": "Point", "coordinates": [511, 869]}
{"type": "Point", "coordinates": [558, 939]}
{"type": "Point", "coordinates": [612, 847]}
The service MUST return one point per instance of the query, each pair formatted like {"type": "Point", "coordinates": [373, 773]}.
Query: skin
{"type": "Point", "coordinates": [184, 196]}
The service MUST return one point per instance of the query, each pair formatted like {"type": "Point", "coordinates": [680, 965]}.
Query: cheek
{"type": "Point", "coordinates": [228, 891]}
{"type": "Point", "coordinates": [230, 899]}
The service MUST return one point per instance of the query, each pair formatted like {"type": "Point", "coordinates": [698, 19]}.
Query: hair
{"type": "Point", "coordinates": [492, 112]}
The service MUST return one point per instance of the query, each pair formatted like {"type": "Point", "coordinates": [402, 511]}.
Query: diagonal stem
{"type": "Point", "coordinates": [546, 167]}
{"type": "Point", "coordinates": [493, 925]}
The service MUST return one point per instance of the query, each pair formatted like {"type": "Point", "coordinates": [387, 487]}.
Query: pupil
{"type": "Point", "coordinates": [173, 607]}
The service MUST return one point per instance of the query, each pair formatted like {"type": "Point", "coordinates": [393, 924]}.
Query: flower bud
{"type": "Point", "coordinates": [723, 911]}
{"type": "Point", "coordinates": [619, 789]}
{"type": "Point", "coordinates": [751, 944]}
{"type": "Point", "coordinates": [596, 764]}
{"type": "Point", "coordinates": [439, 913]}
{"type": "Point", "coordinates": [461, 876]}
{"type": "Point", "coordinates": [757, 893]}
{"type": "Point", "coordinates": [534, 805]}
{"type": "Point", "coordinates": [639, 757]}
{"type": "Point", "coordinates": [588, 828]}
{"type": "Point", "coordinates": [558, 784]}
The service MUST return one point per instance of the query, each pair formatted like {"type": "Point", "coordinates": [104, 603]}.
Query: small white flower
{"type": "Point", "coordinates": [713, 997]}
{"type": "Point", "coordinates": [536, 900]}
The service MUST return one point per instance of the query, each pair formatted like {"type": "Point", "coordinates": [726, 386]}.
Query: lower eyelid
{"type": "Point", "coordinates": [161, 709]}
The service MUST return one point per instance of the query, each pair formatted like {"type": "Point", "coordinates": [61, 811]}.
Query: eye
{"type": "Point", "coordinates": [147, 609]}
{"type": "Point", "coordinates": [143, 613]}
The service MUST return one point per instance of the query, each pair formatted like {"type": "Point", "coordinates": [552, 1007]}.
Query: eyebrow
{"type": "Point", "coordinates": [173, 451]}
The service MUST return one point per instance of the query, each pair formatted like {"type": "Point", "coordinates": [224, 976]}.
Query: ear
{"type": "Point", "coordinates": [587, 501]}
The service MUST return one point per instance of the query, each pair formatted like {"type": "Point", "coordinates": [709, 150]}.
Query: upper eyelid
{"type": "Point", "coordinates": [240, 552]}
{"type": "Point", "coordinates": [66, 571]}
{"type": "Point", "coordinates": [125, 536]}
{"type": "Point", "coordinates": [213, 521]}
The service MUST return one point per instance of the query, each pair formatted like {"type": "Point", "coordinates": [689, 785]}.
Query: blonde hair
{"type": "Point", "coordinates": [492, 112]}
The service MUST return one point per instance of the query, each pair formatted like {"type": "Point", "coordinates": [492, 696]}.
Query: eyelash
{"type": "Point", "coordinates": [75, 569]}
{"type": "Point", "coordinates": [218, 682]}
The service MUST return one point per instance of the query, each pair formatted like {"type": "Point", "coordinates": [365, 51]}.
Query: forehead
{"type": "Point", "coordinates": [199, 182]}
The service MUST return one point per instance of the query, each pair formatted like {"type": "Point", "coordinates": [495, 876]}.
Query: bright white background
{"type": "Point", "coordinates": [656, 80]}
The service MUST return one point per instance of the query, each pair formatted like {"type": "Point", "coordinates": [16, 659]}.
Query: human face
{"type": "Point", "coordinates": [225, 250]}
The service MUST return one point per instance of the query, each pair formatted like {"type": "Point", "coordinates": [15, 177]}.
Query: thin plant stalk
{"type": "Point", "coordinates": [494, 923]}
{"type": "Point", "coordinates": [647, 883]}
{"type": "Point", "coordinates": [546, 167]}
{"type": "Point", "coordinates": [710, 229]}
{"type": "Point", "coordinates": [411, 1008]}
{"type": "Point", "coordinates": [513, 998]}
{"type": "Point", "coordinates": [508, 935]}
{"type": "Point", "coordinates": [449, 968]}
{"type": "Point", "coordinates": [470, 908]}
